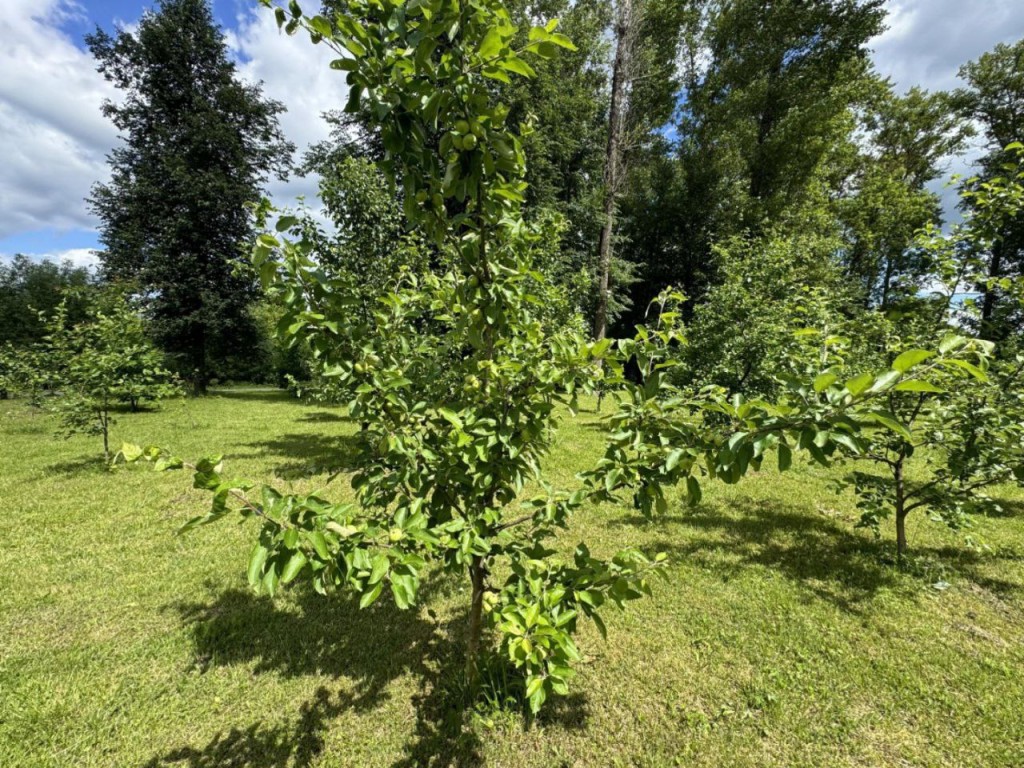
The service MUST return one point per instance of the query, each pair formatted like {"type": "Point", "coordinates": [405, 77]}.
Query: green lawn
{"type": "Point", "coordinates": [784, 637]}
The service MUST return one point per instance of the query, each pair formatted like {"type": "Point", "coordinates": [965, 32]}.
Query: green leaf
{"type": "Point", "coordinates": [355, 47]}
{"type": "Point", "coordinates": [492, 43]}
{"type": "Point", "coordinates": [847, 441]}
{"type": "Point", "coordinates": [295, 564]}
{"type": "Point", "coordinates": [785, 457]}
{"type": "Point", "coordinates": [380, 568]}
{"type": "Point", "coordinates": [131, 452]}
{"type": "Point", "coordinates": [562, 41]}
{"type": "Point", "coordinates": [917, 385]}
{"type": "Point", "coordinates": [533, 685]}
{"type": "Point", "coordinates": [972, 369]}
{"type": "Point", "coordinates": [345, 65]}
{"type": "Point", "coordinates": [951, 343]}
{"type": "Point", "coordinates": [910, 358]}
{"type": "Point", "coordinates": [452, 417]}
{"type": "Point", "coordinates": [517, 65]}
{"type": "Point", "coordinates": [319, 542]}
{"type": "Point", "coordinates": [256, 561]}
{"type": "Point", "coordinates": [321, 26]}
{"type": "Point", "coordinates": [369, 597]}
{"type": "Point", "coordinates": [824, 380]}
{"type": "Point", "coordinates": [858, 384]}
{"type": "Point", "coordinates": [673, 459]}
{"type": "Point", "coordinates": [537, 699]}
{"type": "Point", "coordinates": [885, 381]}
{"type": "Point", "coordinates": [270, 580]}
{"type": "Point", "coordinates": [496, 73]}
{"type": "Point", "coordinates": [889, 421]}
{"type": "Point", "coordinates": [693, 491]}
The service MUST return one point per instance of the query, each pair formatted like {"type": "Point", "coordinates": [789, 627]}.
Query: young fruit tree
{"type": "Point", "coordinates": [454, 375]}
{"type": "Point", "coordinates": [102, 363]}
{"type": "Point", "coordinates": [664, 434]}
{"type": "Point", "coordinates": [943, 396]}
{"type": "Point", "coordinates": [22, 371]}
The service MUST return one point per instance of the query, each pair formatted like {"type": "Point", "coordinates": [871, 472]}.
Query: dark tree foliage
{"type": "Point", "coordinates": [28, 288]}
{"type": "Point", "coordinates": [768, 88]}
{"type": "Point", "coordinates": [994, 97]}
{"type": "Point", "coordinates": [905, 140]}
{"type": "Point", "coordinates": [198, 146]}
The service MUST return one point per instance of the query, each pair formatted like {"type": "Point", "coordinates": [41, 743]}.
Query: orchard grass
{"type": "Point", "coordinates": [784, 636]}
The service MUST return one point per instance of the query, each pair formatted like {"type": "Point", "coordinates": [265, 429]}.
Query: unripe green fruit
{"type": "Point", "coordinates": [462, 126]}
{"type": "Point", "coordinates": [469, 141]}
{"type": "Point", "coordinates": [396, 534]}
{"type": "Point", "coordinates": [477, 129]}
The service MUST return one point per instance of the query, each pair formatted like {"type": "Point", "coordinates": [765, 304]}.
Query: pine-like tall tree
{"type": "Point", "coordinates": [198, 145]}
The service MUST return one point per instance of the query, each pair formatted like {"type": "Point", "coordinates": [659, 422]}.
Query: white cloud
{"type": "Point", "coordinates": [296, 73]}
{"type": "Point", "coordinates": [79, 257]}
{"type": "Point", "coordinates": [55, 136]}
{"type": "Point", "coordinates": [928, 40]}
{"type": "Point", "coordinates": [926, 43]}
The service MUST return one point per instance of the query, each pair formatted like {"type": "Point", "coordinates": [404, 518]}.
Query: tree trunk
{"type": "Point", "coordinates": [104, 426]}
{"type": "Point", "coordinates": [988, 302]}
{"type": "Point", "coordinates": [760, 174]}
{"type": "Point", "coordinates": [624, 17]}
{"type": "Point", "coordinates": [200, 376]}
{"type": "Point", "coordinates": [478, 576]}
{"type": "Point", "coordinates": [901, 513]}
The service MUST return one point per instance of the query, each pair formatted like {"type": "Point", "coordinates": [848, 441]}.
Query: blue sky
{"type": "Point", "coordinates": [56, 140]}
{"type": "Point", "coordinates": [75, 25]}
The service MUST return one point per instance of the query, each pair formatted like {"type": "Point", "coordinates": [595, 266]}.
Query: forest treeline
{"type": "Point", "coordinates": [746, 153]}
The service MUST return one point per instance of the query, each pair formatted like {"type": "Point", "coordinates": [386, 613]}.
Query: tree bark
{"type": "Point", "coordinates": [104, 425]}
{"type": "Point", "coordinates": [478, 576]}
{"type": "Point", "coordinates": [988, 302]}
{"type": "Point", "coordinates": [901, 512]}
{"type": "Point", "coordinates": [623, 21]}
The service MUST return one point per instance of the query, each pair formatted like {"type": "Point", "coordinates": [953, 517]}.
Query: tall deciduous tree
{"type": "Point", "coordinates": [198, 146]}
{"type": "Point", "coordinates": [906, 139]}
{"type": "Point", "coordinates": [765, 109]}
{"type": "Point", "coordinates": [994, 98]}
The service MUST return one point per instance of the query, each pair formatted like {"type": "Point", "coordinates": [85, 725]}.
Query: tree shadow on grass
{"type": "Point", "coordinates": [283, 746]}
{"type": "Point", "coordinates": [976, 567]}
{"type": "Point", "coordinates": [823, 555]}
{"type": "Point", "coordinates": [324, 417]}
{"type": "Point", "coordinates": [91, 464]}
{"type": "Point", "coordinates": [366, 649]}
{"type": "Point", "coordinates": [256, 395]}
{"type": "Point", "coordinates": [1008, 508]}
{"type": "Point", "coordinates": [307, 454]}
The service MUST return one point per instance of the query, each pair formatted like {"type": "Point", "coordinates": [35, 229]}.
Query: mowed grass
{"type": "Point", "coordinates": [783, 636]}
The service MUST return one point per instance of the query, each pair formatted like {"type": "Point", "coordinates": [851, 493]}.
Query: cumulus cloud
{"type": "Point", "coordinates": [79, 257]}
{"type": "Point", "coordinates": [929, 40]}
{"type": "Point", "coordinates": [55, 137]}
{"type": "Point", "coordinates": [296, 73]}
